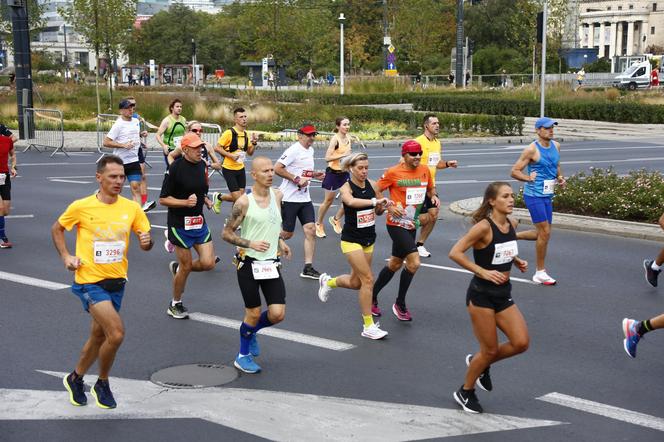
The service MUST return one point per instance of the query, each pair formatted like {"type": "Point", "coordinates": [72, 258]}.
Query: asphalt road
{"type": "Point", "coordinates": [575, 381]}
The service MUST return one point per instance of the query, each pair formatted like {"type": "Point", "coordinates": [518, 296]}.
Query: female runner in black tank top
{"type": "Point", "coordinates": [489, 298]}
{"type": "Point", "coordinates": [362, 202]}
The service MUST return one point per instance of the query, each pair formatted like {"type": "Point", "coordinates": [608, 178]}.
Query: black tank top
{"type": "Point", "coordinates": [359, 224]}
{"type": "Point", "coordinates": [500, 252]}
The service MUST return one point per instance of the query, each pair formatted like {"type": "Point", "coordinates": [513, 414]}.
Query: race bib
{"type": "Point", "coordinates": [415, 195]}
{"type": "Point", "coordinates": [3, 178]}
{"type": "Point", "coordinates": [176, 141]}
{"type": "Point", "coordinates": [241, 157]}
{"type": "Point", "coordinates": [264, 270]}
{"type": "Point", "coordinates": [505, 252]}
{"type": "Point", "coordinates": [193, 222]}
{"type": "Point", "coordinates": [548, 186]}
{"type": "Point", "coordinates": [434, 158]}
{"type": "Point", "coordinates": [108, 252]}
{"type": "Point", "coordinates": [366, 218]}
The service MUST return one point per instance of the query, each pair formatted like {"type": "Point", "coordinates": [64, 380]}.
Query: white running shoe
{"type": "Point", "coordinates": [149, 205]}
{"type": "Point", "coordinates": [541, 277]}
{"type": "Point", "coordinates": [374, 332]}
{"type": "Point", "coordinates": [424, 253]}
{"type": "Point", "coordinates": [323, 288]}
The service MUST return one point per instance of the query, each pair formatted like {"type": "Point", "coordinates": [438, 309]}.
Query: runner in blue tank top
{"type": "Point", "coordinates": [542, 160]}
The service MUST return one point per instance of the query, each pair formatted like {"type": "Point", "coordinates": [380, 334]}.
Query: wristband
{"type": "Point", "coordinates": [447, 164]}
{"type": "Point", "coordinates": [373, 201]}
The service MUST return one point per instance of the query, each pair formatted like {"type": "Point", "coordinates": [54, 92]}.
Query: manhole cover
{"type": "Point", "coordinates": [194, 376]}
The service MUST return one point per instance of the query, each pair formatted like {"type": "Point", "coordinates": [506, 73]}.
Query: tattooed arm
{"type": "Point", "coordinates": [237, 215]}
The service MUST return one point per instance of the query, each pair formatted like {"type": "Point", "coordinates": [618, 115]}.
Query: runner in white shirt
{"type": "Point", "coordinates": [296, 167]}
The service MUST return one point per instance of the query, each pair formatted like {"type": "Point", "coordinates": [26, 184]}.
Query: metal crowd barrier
{"type": "Point", "coordinates": [45, 128]}
{"type": "Point", "coordinates": [104, 124]}
{"type": "Point", "coordinates": [210, 135]}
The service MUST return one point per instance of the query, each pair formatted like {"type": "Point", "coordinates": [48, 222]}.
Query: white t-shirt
{"type": "Point", "coordinates": [123, 131]}
{"type": "Point", "coordinates": [300, 162]}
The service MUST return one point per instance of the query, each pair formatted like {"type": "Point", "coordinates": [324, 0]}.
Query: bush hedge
{"type": "Point", "coordinates": [638, 196]}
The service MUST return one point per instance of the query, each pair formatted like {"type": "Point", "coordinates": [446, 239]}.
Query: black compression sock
{"type": "Point", "coordinates": [643, 327]}
{"type": "Point", "coordinates": [384, 277]}
{"type": "Point", "coordinates": [420, 244]}
{"type": "Point", "coordinates": [404, 283]}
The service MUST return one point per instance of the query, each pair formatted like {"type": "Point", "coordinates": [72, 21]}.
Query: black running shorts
{"type": "Point", "coordinates": [6, 190]}
{"type": "Point", "coordinates": [403, 241]}
{"type": "Point", "coordinates": [235, 179]}
{"type": "Point", "coordinates": [273, 290]}
{"type": "Point", "coordinates": [488, 295]}
{"type": "Point", "coordinates": [291, 211]}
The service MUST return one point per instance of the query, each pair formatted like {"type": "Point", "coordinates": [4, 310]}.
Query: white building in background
{"type": "Point", "coordinates": [620, 28]}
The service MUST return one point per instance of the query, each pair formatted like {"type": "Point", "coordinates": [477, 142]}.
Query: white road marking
{"type": "Point", "coordinates": [19, 216]}
{"type": "Point", "coordinates": [275, 332]}
{"type": "Point", "coordinates": [157, 226]}
{"type": "Point", "coordinates": [620, 414]}
{"type": "Point", "coordinates": [456, 269]}
{"type": "Point", "coordinates": [474, 181]}
{"type": "Point", "coordinates": [59, 180]}
{"type": "Point", "coordinates": [319, 204]}
{"type": "Point", "coordinates": [300, 417]}
{"type": "Point", "coordinates": [27, 280]}
{"type": "Point", "coordinates": [55, 164]}
{"type": "Point", "coordinates": [158, 211]}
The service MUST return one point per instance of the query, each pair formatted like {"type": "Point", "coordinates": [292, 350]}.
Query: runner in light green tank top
{"type": "Point", "coordinates": [262, 224]}
{"type": "Point", "coordinates": [172, 129]}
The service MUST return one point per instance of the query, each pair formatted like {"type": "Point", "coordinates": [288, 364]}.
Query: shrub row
{"type": "Point", "coordinates": [639, 196]}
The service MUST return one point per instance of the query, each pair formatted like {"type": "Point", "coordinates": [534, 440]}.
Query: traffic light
{"type": "Point", "coordinates": [540, 26]}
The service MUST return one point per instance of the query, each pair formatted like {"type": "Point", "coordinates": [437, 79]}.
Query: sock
{"type": "Point", "coordinates": [173, 302]}
{"type": "Point", "coordinates": [368, 320]}
{"type": "Point", "coordinates": [219, 196]}
{"type": "Point", "coordinates": [420, 243]}
{"type": "Point", "coordinates": [144, 198]}
{"type": "Point", "coordinates": [404, 283]}
{"type": "Point", "coordinates": [73, 376]}
{"type": "Point", "coordinates": [384, 277]}
{"type": "Point", "coordinates": [655, 267]}
{"type": "Point", "coordinates": [263, 321]}
{"type": "Point", "coordinates": [3, 235]}
{"type": "Point", "coordinates": [643, 327]}
{"type": "Point", "coordinates": [308, 265]}
{"type": "Point", "coordinates": [246, 332]}
{"type": "Point", "coordinates": [539, 272]}
{"type": "Point", "coordinates": [332, 283]}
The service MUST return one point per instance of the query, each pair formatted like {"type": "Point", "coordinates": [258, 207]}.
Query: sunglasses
{"type": "Point", "coordinates": [197, 131]}
{"type": "Point", "coordinates": [414, 154]}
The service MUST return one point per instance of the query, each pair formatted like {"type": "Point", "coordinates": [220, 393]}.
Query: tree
{"type": "Point", "coordinates": [105, 25]}
{"type": "Point", "coordinates": [35, 19]}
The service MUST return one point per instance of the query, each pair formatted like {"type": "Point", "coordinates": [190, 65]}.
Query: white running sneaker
{"type": "Point", "coordinates": [149, 205]}
{"type": "Point", "coordinates": [323, 288]}
{"type": "Point", "coordinates": [424, 253]}
{"type": "Point", "coordinates": [374, 332]}
{"type": "Point", "coordinates": [541, 277]}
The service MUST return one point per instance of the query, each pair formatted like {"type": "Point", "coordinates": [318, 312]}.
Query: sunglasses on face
{"type": "Point", "coordinates": [197, 131]}
{"type": "Point", "coordinates": [415, 154]}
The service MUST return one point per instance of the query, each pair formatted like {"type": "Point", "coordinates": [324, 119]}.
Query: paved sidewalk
{"type": "Point", "coordinates": [627, 229]}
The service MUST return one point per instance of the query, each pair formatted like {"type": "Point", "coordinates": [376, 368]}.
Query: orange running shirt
{"type": "Point", "coordinates": [408, 188]}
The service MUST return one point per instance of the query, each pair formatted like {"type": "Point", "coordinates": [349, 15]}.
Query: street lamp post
{"type": "Point", "coordinates": [341, 53]}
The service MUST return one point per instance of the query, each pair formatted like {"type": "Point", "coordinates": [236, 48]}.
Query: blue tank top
{"type": "Point", "coordinates": [547, 172]}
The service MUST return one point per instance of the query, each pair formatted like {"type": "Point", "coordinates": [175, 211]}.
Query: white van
{"type": "Point", "coordinates": [635, 76]}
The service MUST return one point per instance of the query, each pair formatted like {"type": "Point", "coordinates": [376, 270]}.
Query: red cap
{"type": "Point", "coordinates": [308, 130]}
{"type": "Point", "coordinates": [411, 146]}
{"type": "Point", "coordinates": [190, 140]}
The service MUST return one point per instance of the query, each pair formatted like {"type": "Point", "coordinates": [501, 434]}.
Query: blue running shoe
{"type": "Point", "coordinates": [631, 336]}
{"type": "Point", "coordinates": [76, 389]}
{"type": "Point", "coordinates": [254, 349]}
{"type": "Point", "coordinates": [102, 393]}
{"type": "Point", "coordinates": [246, 364]}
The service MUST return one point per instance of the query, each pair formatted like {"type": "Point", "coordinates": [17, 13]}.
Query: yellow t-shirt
{"type": "Point", "coordinates": [225, 142]}
{"type": "Point", "coordinates": [431, 153]}
{"type": "Point", "coordinates": [344, 148]}
{"type": "Point", "coordinates": [102, 237]}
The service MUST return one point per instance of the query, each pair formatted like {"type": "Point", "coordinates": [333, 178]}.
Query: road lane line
{"type": "Point", "coordinates": [59, 180]}
{"type": "Point", "coordinates": [27, 280]}
{"type": "Point", "coordinates": [620, 414]}
{"type": "Point", "coordinates": [456, 269]}
{"type": "Point", "coordinates": [274, 332]}
{"type": "Point", "coordinates": [19, 216]}
{"type": "Point", "coordinates": [157, 226]}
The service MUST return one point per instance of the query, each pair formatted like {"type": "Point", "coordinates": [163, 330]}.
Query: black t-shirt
{"type": "Point", "coordinates": [183, 179]}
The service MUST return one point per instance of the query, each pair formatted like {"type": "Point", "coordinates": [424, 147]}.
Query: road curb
{"type": "Point", "coordinates": [625, 229]}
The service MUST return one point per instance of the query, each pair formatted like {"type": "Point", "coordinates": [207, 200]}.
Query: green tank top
{"type": "Point", "coordinates": [262, 225]}
{"type": "Point", "coordinates": [175, 131]}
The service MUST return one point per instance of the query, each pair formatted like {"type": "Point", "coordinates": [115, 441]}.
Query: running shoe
{"type": "Point", "coordinates": [169, 247]}
{"type": "Point", "coordinates": [323, 288]}
{"type": "Point", "coordinates": [254, 348]}
{"type": "Point", "coordinates": [177, 311]}
{"type": "Point", "coordinates": [103, 395]}
{"type": "Point", "coordinates": [374, 332]}
{"type": "Point", "coordinates": [149, 205]}
{"type": "Point", "coordinates": [216, 205]}
{"type": "Point", "coordinates": [5, 244]}
{"type": "Point", "coordinates": [336, 225]}
{"type": "Point", "coordinates": [423, 252]}
{"type": "Point", "coordinates": [246, 364]}
{"type": "Point", "coordinates": [402, 314]}
{"type": "Point", "coordinates": [217, 260]}
{"type": "Point", "coordinates": [309, 272]}
{"type": "Point", "coordinates": [631, 336]}
{"type": "Point", "coordinates": [484, 381]}
{"type": "Point", "coordinates": [320, 231]}
{"type": "Point", "coordinates": [173, 267]}
{"type": "Point", "coordinates": [375, 310]}
{"type": "Point", "coordinates": [76, 389]}
{"type": "Point", "coordinates": [468, 400]}
{"type": "Point", "coordinates": [651, 275]}
{"type": "Point", "coordinates": [541, 277]}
